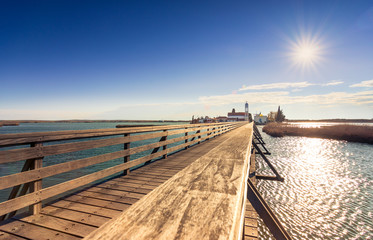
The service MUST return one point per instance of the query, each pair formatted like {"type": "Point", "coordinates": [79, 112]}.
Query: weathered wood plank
{"type": "Point", "coordinates": [116, 192]}
{"type": "Point", "coordinates": [97, 202]}
{"type": "Point", "coordinates": [58, 224]}
{"type": "Point", "coordinates": [124, 183]}
{"type": "Point", "coordinates": [100, 211]}
{"type": "Point", "coordinates": [107, 196]}
{"type": "Point", "coordinates": [201, 201]}
{"type": "Point", "coordinates": [31, 231]}
{"type": "Point", "coordinates": [139, 189]}
{"type": "Point", "coordinates": [85, 218]}
{"type": "Point", "coordinates": [7, 236]}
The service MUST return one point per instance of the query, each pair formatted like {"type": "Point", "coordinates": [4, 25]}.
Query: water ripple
{"type": "Point", "coordinates": [327, 190]}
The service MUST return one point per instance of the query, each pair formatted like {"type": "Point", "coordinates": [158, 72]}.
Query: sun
{"type": "Point", "coordinates": [306, 52]}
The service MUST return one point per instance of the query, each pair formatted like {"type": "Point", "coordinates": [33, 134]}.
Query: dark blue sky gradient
{"type": "Point", "coordinates": [169, 51]}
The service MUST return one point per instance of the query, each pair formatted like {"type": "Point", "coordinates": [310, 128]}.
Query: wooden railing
{"type": "Point", "coordinates": [205, 200]}
{"type": "Point", "coordinates": [32, 148]}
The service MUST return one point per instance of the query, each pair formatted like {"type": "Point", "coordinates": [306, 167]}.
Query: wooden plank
{"type": "Point", "coordinates": [141, 188]}
{"type": "Point", "coordinates": [59, 224]}
{"type": "Point", "coordinates": [251, 222]}
{"type": "Point", "coordinates": [201, 201]}
{"type": "Point", "coordinates": [154, 175]}
{"type": "Point", "coordinates": [116, 192]}
{"type": "Point", "coordinates": [110, 197]}
{"type": "Point", "coordinates": [124, 183]}
{"type": "Point", "coordinates": [251, 231]}
{"type": "Point", "coordinates": [100, 211]}
{"type": "Point", "coordinates": [7, 236]}
{"type": "Point", "coordinates": [81, 217]}
{"type": "Point", "coordinates": [97, 202]}
{"type": "Point", "coordinates": [142, 181]}
{"type": "Point", "coordinates": [145, 178]}
{"type": "Point", "coordinates": [30, 231]}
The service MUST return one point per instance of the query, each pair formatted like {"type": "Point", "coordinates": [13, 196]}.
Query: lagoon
{"type": "Point", "coordinates": [328, 188]}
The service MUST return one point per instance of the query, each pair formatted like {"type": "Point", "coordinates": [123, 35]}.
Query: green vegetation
{"type": "Point", "coordinates": [348, 132]}
{"type": "Point", "coordinates": [280, 117]}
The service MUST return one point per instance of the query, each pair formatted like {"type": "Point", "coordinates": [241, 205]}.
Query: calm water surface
{"type": "Point", "coordinates": [328, 188]}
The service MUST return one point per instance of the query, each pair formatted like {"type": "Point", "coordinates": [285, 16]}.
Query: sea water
{"type": "Point", "coordinates": [328, 187]}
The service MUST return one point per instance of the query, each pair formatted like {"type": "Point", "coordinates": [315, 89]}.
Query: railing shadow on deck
{"type": "Point", "coordinates": [33, 148]}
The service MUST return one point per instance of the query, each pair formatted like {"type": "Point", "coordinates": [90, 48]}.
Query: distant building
{"type": "Point", "coordinates": [236, 116]}
{"type": "Point", "coordinates": [260, 119]}
{"type": "Point", "coordinates": [272, 116]}
{"type": "Point", "coordinates": [246, 111]}
{"type": "Point", "coordinates": [232, 117]}
{"type": "Point", "coordinates": [221, 119]}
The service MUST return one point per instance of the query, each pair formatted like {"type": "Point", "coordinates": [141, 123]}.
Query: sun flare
{"type": "Point", "coordinates": [306, 52]}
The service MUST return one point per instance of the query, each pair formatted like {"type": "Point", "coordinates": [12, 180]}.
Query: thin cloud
{"type": "Point", "coordinates": [277, 86]}
{"type": "Point", "coordinates": [332, 83]}
{"type": "Point", "coordinates": [257, 97]}
{"type": "Point", "coordinates": [368, 84]}
{"type": "Point", "coordinates": [358, 98]}
{"type": "Point", "coordinates": [296, 85]}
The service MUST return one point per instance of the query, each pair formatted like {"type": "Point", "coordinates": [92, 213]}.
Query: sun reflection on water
{"type": "Point", "coordinates": [327, 187]}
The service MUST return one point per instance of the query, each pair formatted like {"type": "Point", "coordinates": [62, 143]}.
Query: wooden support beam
{"type": "Point", "coordinates": [37, 185]}
{"type": "Point", "coordinates": [265, 213]}
{"type": "Point", "coordinates": [165, 146]}
{"type": "Point", "coordinates": [13, 194]}
{"type": "Point", "coordinates": [267, 177]}
{"type": "Point", "coordinates": [281, 179]}
{"type": "Point", "coordinates": [127, 158]}
{"type": "Point", "coordinates": [186, 140]}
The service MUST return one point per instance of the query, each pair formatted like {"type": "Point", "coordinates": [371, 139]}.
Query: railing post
{"type": "Point", "coordinates": [165, 146]}
{"type": "Point", "coordinates": [199, 141]}
{"type": "Point", "coordinates": [127, 145]}
{"type": "Point", "coordinates": [186, 140]}
{"type": "Point", "coordinates": [208, 134]}
{"type": "Point", "coordinates": [36, 185]}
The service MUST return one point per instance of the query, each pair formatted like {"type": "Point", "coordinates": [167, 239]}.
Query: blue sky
{"type": "Point", "coordinates": [175, 59]}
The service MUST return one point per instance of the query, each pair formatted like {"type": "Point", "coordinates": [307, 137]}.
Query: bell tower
{"type": "Point", "coordinates": [246, 111]}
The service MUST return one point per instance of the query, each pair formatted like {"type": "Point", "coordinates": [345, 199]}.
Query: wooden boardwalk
{"type": "Point", "coordinates": [82, 213]}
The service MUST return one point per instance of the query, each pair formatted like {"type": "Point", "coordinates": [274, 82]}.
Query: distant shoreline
{"type": "Point", "coordinates": [347, 132]}
{"type": "Point", "coordinates": [13, 122]}
{"type": "Point", "coordinates": [337, 120]}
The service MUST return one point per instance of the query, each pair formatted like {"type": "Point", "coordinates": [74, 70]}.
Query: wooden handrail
{"type": "Point", "coordinates": [43, 151]}
{"type": "Point", "coordinates": [28, 138]}
{"type": "Point", "coordinates": [32, 176]}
